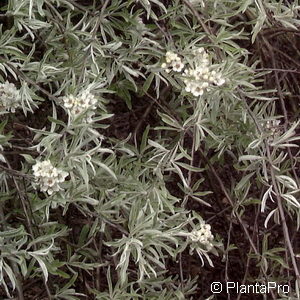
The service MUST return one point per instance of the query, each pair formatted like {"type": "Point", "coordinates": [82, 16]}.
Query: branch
{"type": "Point", "coordinates": [12, 172]}
{"type": "Point", "coordinates": [30, 81]}
{"type": "Point", "coordinates": [278, 197]}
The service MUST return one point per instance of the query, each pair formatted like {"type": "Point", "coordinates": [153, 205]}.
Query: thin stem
{"type": "Point", "coordinates": [189, 180]}
{"type": "Point", "coordinates": [286, 121]}
{"type": "Point", "coordinates": [23, 202]}
{"type": "Point", "coordinates": [227, 259]}
{"type": "Point", "coordinates": [277, 70]}
{"type": "Point", "coordinates": [180, 269]}
{"type": "Point", "coordinates": [29, 219]}
{"type": "Point", "coordinates": [223, 188]}
{"type": "Point", "coordinates": [14, 172]}
{"type": "Point", "coordinates": [248, 256]}
{"type": "Point", "coordinates": [282, 216]}
{"type": "Point", "coordinates": [278, 197]}
{"type": "Point", "coordinates": [13, 263]}
{"type": "Point", "coordinates": [29, 81]}
{"type": "Point", "coordinates": [207, 29]}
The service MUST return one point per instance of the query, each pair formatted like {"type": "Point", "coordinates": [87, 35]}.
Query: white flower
{"type": "Point", "coordinates": [88, 99]}
{"type": "Point", "coordinates": [198, 51]}
{"type": "Point", "coordinates": [49, 182]}
{"type": "Point", "coordinates": [48, 177]}
{"type": "Point", "coordinates": [10, 98]}
{"type": "Point", "coordinates": [171, 56]}
{"type": "Point", "coordinates": [197, 90]}
{"type": "Point", "coordinates": [177, 66]}
{"type": "Point", "coordinates": [69, 101]}
{"type": "Point", "coordinates": [61, 176]}
{"type": "Point", "coordinates": [272, 128]}
{"type": "Point", "coordinates": [203, 235]}
{"type": "Point", "coordinates": [80, 104]}
{"type": "Point", "coordinates": [173, 62]}
{"type": "Point", "coordinates": [271, 124]}
{"type": "Point", "coordinates": [199, 77]}
{"type": "Point", "coordinates": [188, 86]}
{"type": "Point", "coordinates": [218, 80]}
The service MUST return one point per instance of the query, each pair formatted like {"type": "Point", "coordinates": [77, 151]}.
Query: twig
{"type": "Point", "coordinates": [227, 260]}
{"type": "Point", "coordinates": [99, 255]}
{"type": "Point", "coordinates": [285, 55]}
{"type": "Point", "coordinates": [106, 220]}
{"type": "Point", "coordinates": [143, 118]}
{"type": "Point", "coordinates": [286, 121]}
{"type": "Point", "coordinates": [28, 218]}
{"type": "Point", "coordinates": [80, 7]}
{"type": "Point", "coordinates": [228, 197]}
{"type": "Point", "coordinates": [180, 270]}
{"type": "Point", "coordinates": [218, 214]}
{"type": "Point", "coordinates": [282, 216]}
{"type": "Point", "coordinates": [248, 256]}
{"type": "Point", "coordinates": [28, 80]}
{"type": "Point", "coordinates": [22, 198]}
{"type": "Point", "coordinates": [278, 70]}
{"type": "Point", "coordinates": [219, 180]}
{"type": "Point", "coordinates": [189, 179]}
{"type": "Point", "coordinates": [197, 15]}
{"type": "Point", "coordinates": [165, 32]}
{"type": "Point", "coordinates": [15, 173]}
{"type": "Point", "coordinates": [278, 197]}
{"type": "Point", "coordinates": [209, 32]}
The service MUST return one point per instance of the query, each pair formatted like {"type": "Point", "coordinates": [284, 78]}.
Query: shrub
{"type": "Point", "coordinates": [141, 138]}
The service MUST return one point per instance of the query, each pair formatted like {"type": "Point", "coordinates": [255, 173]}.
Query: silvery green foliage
{"type": "Point", "coordinates": [79, 58]}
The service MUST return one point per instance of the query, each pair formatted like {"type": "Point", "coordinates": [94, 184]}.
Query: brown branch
{"type": "Point", "coordinates": [278, 197]}
{"type": "Point", "coordinates": [12, 172]}
{"type": "Point", "coordinates": [281, 97]}
{"type": "Point", "coordinates": [278, 70]}
{"type": "Point", "coordinates": [222, 186]}
{"type": "Point", "coordinates": [30, 81]}
{"type": "Point", "coordinates": [199, 19]}
{"type": "Point", "coordinates": [207, 29]}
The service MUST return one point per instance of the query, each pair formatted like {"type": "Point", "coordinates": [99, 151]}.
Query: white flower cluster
{"type": "Point", "coordinates": [272, 127]}
{"type": "Point", "coordinates": [48, 177]}
{"type": "Point", "coordinates": [173, 62]}
{"type": "Point", "coordinates": [199, 78]}
{"type": "Point", "coordinates": [77, 105]}
{"type": "Point", "coordinates": [202, 235]}
{"type": "Point", "coordinates": [10, 98]}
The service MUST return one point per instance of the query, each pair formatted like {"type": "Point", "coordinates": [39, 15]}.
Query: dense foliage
{"type": "Point", "coordinates": [148, 148]}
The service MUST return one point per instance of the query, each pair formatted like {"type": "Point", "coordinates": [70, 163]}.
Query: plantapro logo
{"type": "Point", "coordinates": [232, 287]}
